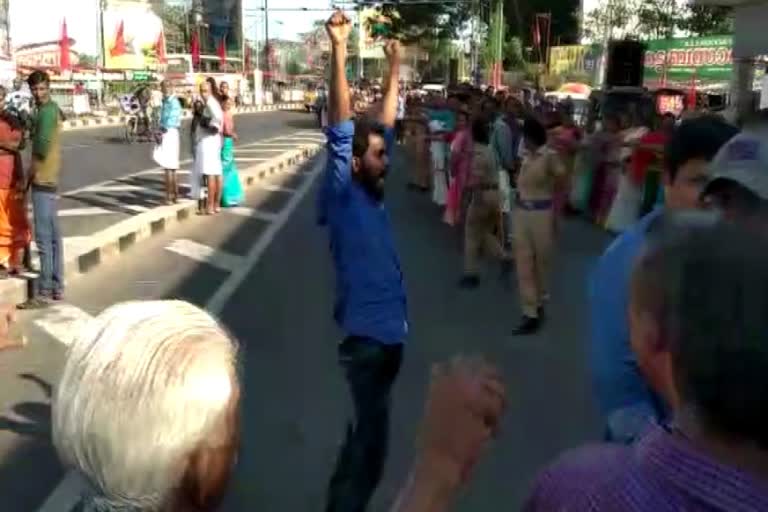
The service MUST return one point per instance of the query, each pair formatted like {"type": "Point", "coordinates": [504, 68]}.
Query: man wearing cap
{"type": "Point", "coordinates": [627, 404]}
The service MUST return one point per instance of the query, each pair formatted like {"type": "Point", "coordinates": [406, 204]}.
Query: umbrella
{"type": "Point", "coordinates": [576, 88]}
{"type": "Point", "coordinates": [64, 63]}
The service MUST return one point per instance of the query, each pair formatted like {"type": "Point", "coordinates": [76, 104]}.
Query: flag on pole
{"type": "Point", "coordinates": [221, 51]}
{"type": "Point", "coordinates": [119, 48]}
{"type": "Point", "coordinates": [160, 48]}
{"type": "Point", "coordinates": [692, 93]}
{"type": "Point", "coordinates": [64, 61]}
{"type": "Point", "coordinates": [194, 49]}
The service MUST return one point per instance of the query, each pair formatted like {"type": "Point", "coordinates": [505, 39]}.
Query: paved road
{"type": "Point", "coordinates": [100, 154]}
{"type": "Point", "coordinates": [265, 270]}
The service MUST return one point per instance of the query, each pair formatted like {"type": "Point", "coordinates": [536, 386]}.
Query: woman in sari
{"type": "Point", "coordinates": [15, 233]}
{"type": "Point", "coordinates": [607, 147]}
{"type": "Point", "coordinates": [232, 192]}
{"type": "Point", "coordinates": [460, 164]}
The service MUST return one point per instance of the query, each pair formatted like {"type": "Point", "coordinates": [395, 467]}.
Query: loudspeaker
{"type": "Point", "coordinates": [625, 64]}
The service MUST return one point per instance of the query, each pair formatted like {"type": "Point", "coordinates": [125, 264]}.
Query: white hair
{"type": "Point", "coordinates": [144, 384]}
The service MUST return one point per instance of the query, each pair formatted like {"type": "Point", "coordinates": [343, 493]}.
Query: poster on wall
{"type": "Point", "coordinates": [708, 58]}
{"type": "Point", "coordinates": [133, 36]}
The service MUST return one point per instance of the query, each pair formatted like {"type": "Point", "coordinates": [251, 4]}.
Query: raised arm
{"type": "Point", "coordinates": [391, 95]}
{"type": "Point", "coordinates": [338, 28]}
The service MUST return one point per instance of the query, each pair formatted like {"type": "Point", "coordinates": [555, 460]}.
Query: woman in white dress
{"type": "Point", "coordinates": [207, 140]}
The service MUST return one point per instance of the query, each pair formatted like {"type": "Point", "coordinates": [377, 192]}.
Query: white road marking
{"type": "Point", "coordinates": [205, 254]}
{"type": "Point", "coordinates": [63, 321]}
{"type": "Point", "coordinates": [185, 162]}
{"type": "Point", "coordinates": [81, 212]}
{"type": "Point", "coordinates": [245, 211]}
{"type": "Point", "coordinates": [68, 492]}
{"type": "Point", "coordinates": [124, 188]}
{"type": "Point", "coordinates": [275, 188]}
{"type": "Point", "coordinates": [77, 146]}
{"type": "Point", "coordinates": [228, 288]}
{"type": "Point", "coordinates": [249, 159]}
{"type": "Point", "coordinates": [260, 150]}
{"type": "Point", "coordinates": [160, 171]}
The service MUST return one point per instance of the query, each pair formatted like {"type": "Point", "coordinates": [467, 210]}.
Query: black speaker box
{"type": "Point", "coordinates": [625, 64]}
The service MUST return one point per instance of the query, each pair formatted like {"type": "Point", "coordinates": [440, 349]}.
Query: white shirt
{"type": "Point", "coordinates": [400, 108]}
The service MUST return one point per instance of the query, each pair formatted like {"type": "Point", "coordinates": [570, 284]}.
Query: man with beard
{"type": "Point", "coordinates": [370, 297]}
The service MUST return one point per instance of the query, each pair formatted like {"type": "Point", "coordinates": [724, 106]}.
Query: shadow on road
{"type": "Point", "coordinates": [33, 458]}
{"type": "Point", "coordinates": [310, 123]}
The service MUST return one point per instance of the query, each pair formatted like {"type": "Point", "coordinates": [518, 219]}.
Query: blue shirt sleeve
{"type": "Point", "coordinates": [338, 169]}
{"type": "Point", "coordinates": [389, 140]}
{"type": "Point", "coordinates": [617, 378]}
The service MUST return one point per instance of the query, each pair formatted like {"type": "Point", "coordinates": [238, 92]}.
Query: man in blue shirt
{"type": "Point", "coordinates": [370, 295]}
{"type": "Point", "coordinates": [626, 402]}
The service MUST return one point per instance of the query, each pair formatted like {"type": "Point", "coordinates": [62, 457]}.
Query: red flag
{"type": "Point", "coordinates": [64, 62]}
{"type": "Point", "coordinates": [160, 48]}
{"type": "Point", "coordinates": [221, 51]}
{"type": "Point", "coordinates": [194, 49]}
{"type": "Point", "coordinates": [248, 58]}
{"type": "Point", "coordinates": [119, 47]}
{"type": "Point", "coordinates": [692, 93]}
{"type": "Point", "coordinates": [536, 33]}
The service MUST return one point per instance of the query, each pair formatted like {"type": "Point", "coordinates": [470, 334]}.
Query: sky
{"type": "Point", "coordinates": [28, 26]}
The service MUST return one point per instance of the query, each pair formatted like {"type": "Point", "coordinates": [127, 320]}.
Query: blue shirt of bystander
{"type": "Point", "coordinates": [626, 402]}
{"type": "Point", "coordinates": [170, 113]}
{"type": "Point", "coordinates": [370, 293]}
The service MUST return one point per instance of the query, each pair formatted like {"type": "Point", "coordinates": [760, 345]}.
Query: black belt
{"type": "Point", "coordinates": [535, 205]}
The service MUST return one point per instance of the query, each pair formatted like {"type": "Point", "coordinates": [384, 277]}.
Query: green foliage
{"type": "Point", "coordinates": [293, 67]}
{"type": "Point", "coordinates": [707, 20]}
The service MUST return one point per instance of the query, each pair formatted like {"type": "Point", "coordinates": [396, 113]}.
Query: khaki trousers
{"type": "Point", "coordinates": [533, 253]}
{"type": "Point", "coordinates": [480, 230]}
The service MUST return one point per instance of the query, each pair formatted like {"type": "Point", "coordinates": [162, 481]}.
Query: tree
{"type": "Point", "coordinates": [175, 25]}
{"type": "Point", "coordinates": [657, 19]}
{"type": "Point", "coordinates": [293, 67]}
{"type": "Point", "coordinates": [89, 61]}
{"type": "Point", "coordinates": [702, 20]}
{"type": "Point", "coordinates": [612, 19]}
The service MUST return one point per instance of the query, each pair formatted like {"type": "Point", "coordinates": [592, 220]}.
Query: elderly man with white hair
{"type": "Point", "coordinates": [147, 409]}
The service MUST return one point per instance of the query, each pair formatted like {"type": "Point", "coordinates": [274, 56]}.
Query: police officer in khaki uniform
{"type": "Point", "coordinates": [533, 226]}
{"type": "Point", "coordinates": [483, 213]}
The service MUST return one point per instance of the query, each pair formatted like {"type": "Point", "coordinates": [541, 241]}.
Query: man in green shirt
{"type": "Point", "coordinates": [43, 179]}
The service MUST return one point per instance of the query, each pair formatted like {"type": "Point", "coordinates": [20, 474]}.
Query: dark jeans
{"type": "Point", "coordinates": [371, 369]}
{"type": "Point", "coordinates": [48, 239]}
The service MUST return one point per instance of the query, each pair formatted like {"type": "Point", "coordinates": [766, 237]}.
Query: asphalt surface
{"type": "Point", "coordinates": [295, 401]}
{"type": "Point", "coordinates": [99, 154]}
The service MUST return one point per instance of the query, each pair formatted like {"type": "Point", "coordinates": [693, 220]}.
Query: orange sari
{"type": "Point", "coordinates": [15, 233]}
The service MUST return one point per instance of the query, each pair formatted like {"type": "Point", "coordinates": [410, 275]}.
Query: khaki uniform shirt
{"type": "Point", "coordinates": [539, 174]}
{"type": "Point", "coordinates": [484, 168]}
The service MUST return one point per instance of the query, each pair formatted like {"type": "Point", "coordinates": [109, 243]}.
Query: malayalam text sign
{"type": "Point", "coordinates": [708, 58]}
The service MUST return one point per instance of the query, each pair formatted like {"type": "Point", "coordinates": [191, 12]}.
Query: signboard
{"type": "Point", "coordinates": [132, 33]}
{"type": "Point", "coordinates": [708, 58]}
{"type": "Point", "coordinates": [575, 59]}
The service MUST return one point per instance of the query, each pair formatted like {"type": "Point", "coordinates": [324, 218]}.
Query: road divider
{"type": "Point", "coordinates": [104, 122]}
{"type": "Point", "coordinates": [84, 253]}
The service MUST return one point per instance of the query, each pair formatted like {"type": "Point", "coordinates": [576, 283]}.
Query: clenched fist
{"type": "Point", "coordinates": [465, 404]}
{"type": "Point", "coordinates": [392, 50]}
{"type": "Point", "coordinates": [338, 27]}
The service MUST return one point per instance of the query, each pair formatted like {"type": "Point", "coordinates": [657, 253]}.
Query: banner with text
{"type": "Point", "coordinates": [708, 58]}
{"type": "Point", "coordinates": [132, 35]}
{"type": "Point", "coordinates": [575, 62]}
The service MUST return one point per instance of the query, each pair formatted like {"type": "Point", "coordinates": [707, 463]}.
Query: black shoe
{"type": "Point", "coordinates": [469, 282]}
{"type": "Point", "coordinates": [527, 326]}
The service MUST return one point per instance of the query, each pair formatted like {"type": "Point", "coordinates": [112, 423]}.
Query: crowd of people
{"type": "Point", "coordinates": [147, 409]}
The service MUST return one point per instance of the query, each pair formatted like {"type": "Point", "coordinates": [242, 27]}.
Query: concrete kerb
{"type": "Point", "coordinates": [111, 242]}
{"type": "Point", "coordinates": [103, 122]}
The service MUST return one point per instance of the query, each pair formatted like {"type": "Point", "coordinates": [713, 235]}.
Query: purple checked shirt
{"type": "Point", "coordinates": [662, 472]}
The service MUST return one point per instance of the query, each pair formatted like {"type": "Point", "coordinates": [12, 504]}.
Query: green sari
{"type": "Point", "coordinates": [232, 192]}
